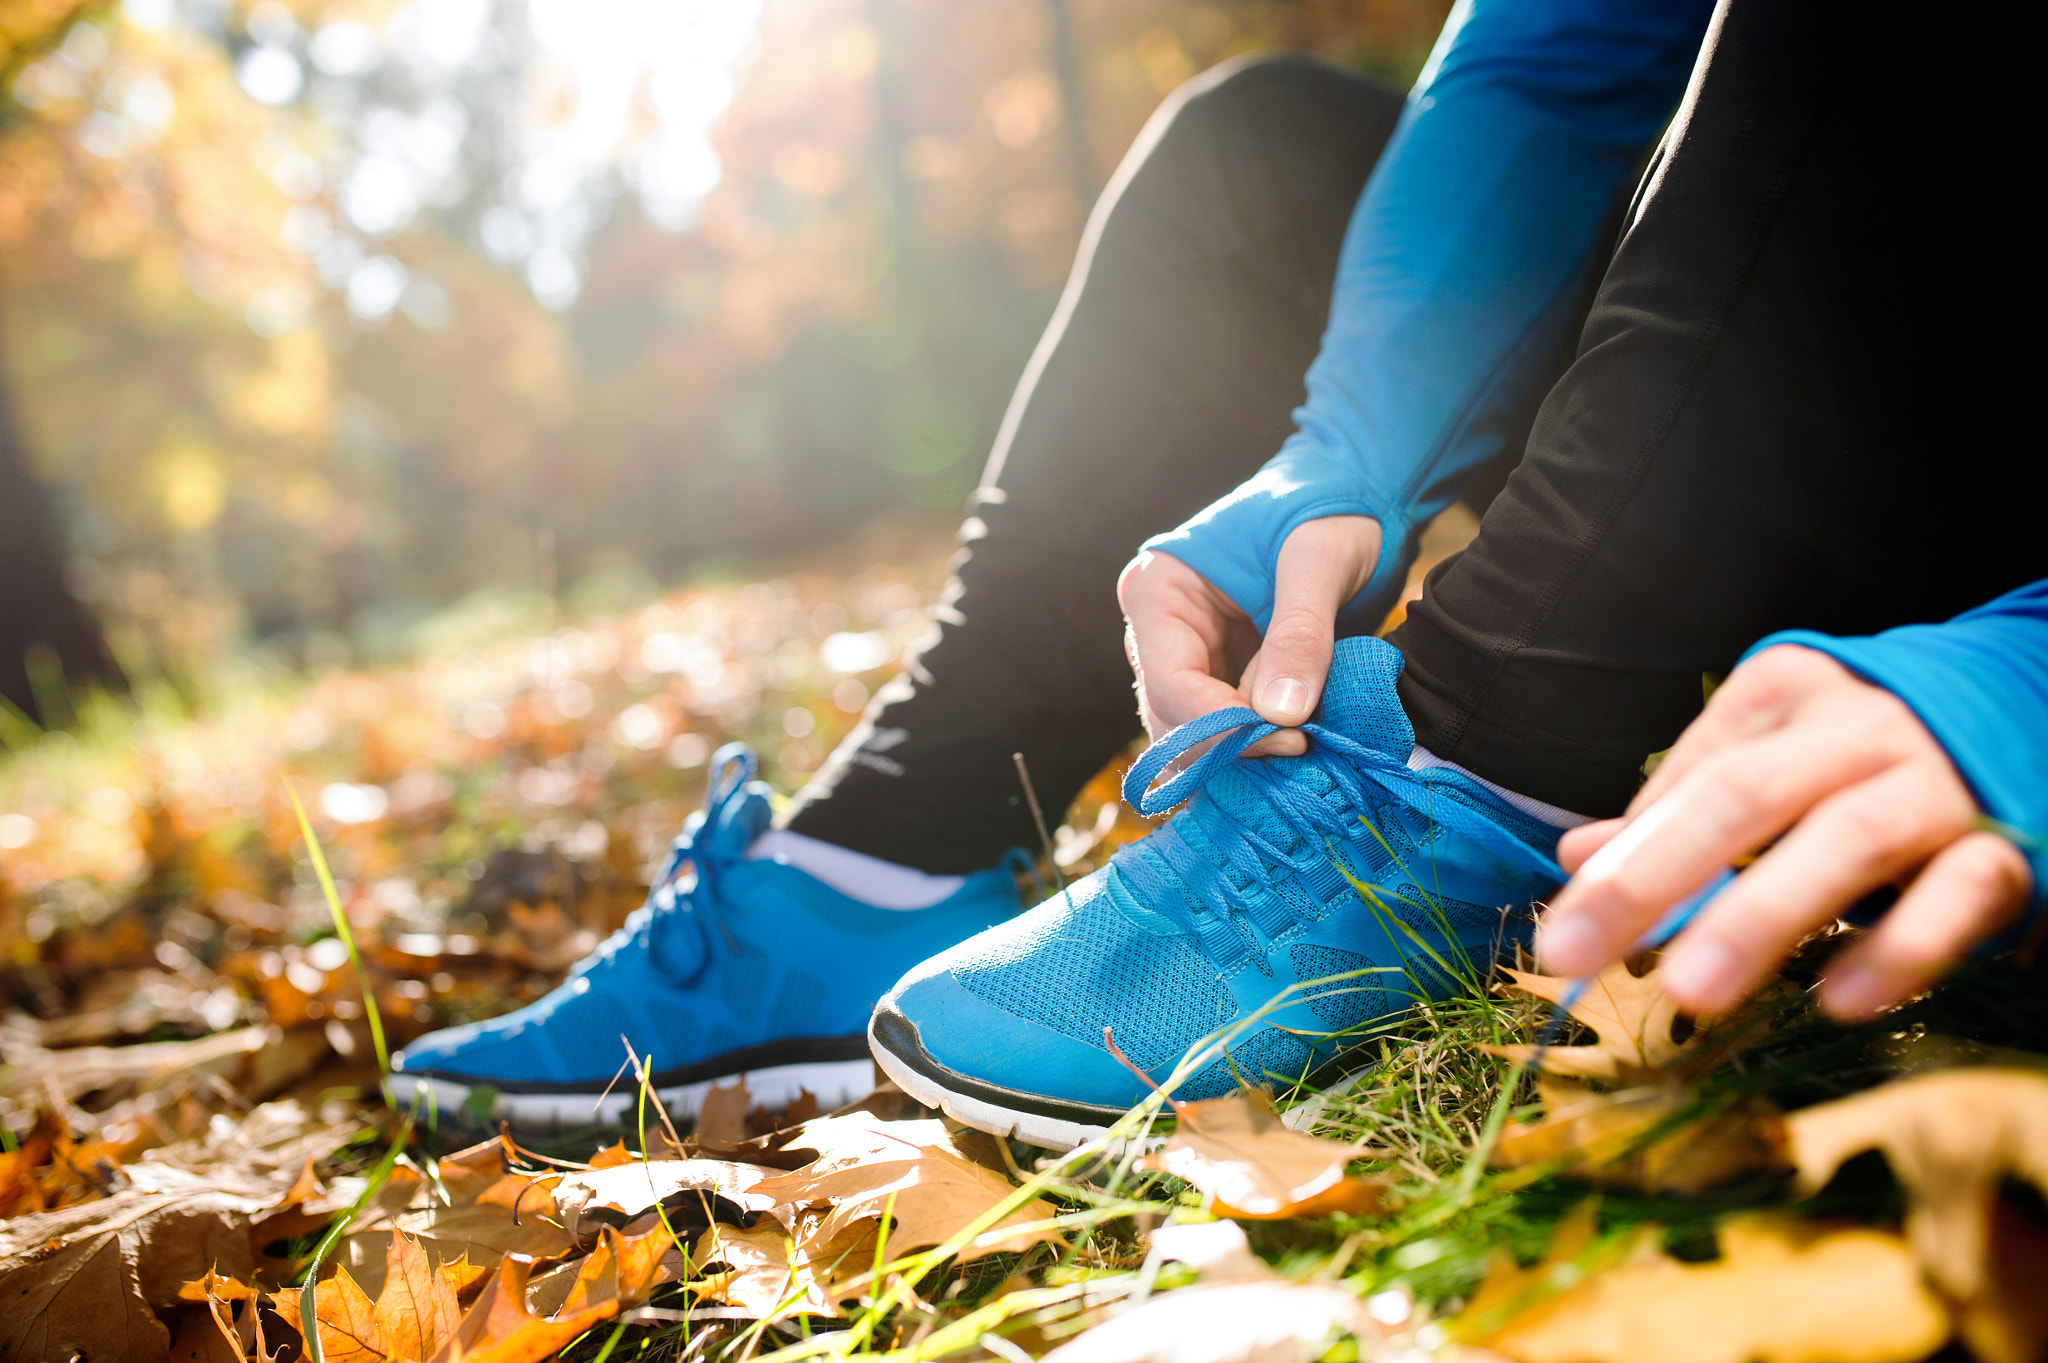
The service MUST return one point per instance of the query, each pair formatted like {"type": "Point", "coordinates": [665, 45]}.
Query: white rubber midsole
{"type": "Point", "coordinates": [834, 1083]}
{"type": "Point", "coordinates": [1047, 1133]}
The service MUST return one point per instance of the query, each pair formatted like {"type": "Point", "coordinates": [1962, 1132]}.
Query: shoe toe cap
{"type": "Point", "coordinates": [976, 1041]}
{"type": "Point", "coordinates": [498, 1051]}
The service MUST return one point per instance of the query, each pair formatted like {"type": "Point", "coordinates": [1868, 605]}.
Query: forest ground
{"type": "Point", "coordinates": [190, 1107]}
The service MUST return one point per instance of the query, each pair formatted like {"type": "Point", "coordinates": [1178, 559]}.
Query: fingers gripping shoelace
{"type": "Point", "coordinates": [1365, 778]}
{"type": "Point", "coordinates": [681, 912]}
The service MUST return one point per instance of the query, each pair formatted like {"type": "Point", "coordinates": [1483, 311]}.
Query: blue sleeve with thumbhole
{"type": "Point", "coordinates": [1459, 276]}
{"type": "Point", "coordinates": [1980, 684]}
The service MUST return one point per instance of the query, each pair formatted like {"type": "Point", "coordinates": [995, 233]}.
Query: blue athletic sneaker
{"type": "Point", "coordinates": [1240, 901]}
{"type": "Point", "coordinates": [732, 967]}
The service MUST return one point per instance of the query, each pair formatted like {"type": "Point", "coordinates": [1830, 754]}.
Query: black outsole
{"type": "Point", "coordinates": [898, 1035]}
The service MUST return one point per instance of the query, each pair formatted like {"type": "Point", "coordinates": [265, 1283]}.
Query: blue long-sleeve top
{"type": "Point", "coordinates": [1979, 683]}
{"type": "Point", "coordinates": [1459, 276]}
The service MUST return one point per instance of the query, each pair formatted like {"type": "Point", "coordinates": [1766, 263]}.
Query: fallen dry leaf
{"type": "Point", "coordinates": [344, 1315]}
{"type": "Point", "coordinates": [236, 1338]}
{"type": "Point", "coordinates": [1266, 1321]}
{"type": "Point", "coordinates": [722, 1120]}
{"type": "Point", "coordinates": [1950, 1137]}
{"type": "Point", "coordinates": [1633, 1024]}
{"type": "Point", "coordinates": [1784, 1291]}
{"type": "Point", "coordinates": [621, 1194]}
{"type": "Point", "coordinates": [612, 1156]}
{"type": "Point", "coordinates": [1607, 1137]}
{"type": "Point", "coordinates": [500, 1328]}
{"type": "Point", "coordinates": [493, 1214]}
{"type": "Point", "coordinates": [622, 1270]}
{"type": "Point", "coordinates": [1630, 1016]}
{"type": "Point", "coordinates": [916, 1171]}
{"type": "Point", "coordinates": [415, 1310]}
{"type": "Point", "coordinates": [1237, 1153]}
{"type": "Point", "coordinates": [1217, 1250]}
{"type": "Point", "coordinates": [764, 1275]}
{"type": "Point", "coordinates": [86, 1278]}
{"type": "Point", "coordinates": [2007, 1320]}
{"type": "Point", "coordinates": [74, 1072]}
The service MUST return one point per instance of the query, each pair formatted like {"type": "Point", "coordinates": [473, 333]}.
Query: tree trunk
{"type": "Point", "coordinates": [49, 642]}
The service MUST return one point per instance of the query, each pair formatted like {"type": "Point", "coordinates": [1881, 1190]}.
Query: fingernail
{"type": "Point", "coordinates": [1700, 973]}
{"type": "Point", "coordinates": [1284, 696]}
{"type": "Point", "coordinates": [1572, 947]}
{"type": "Point", "coordinates": [1852, 991]}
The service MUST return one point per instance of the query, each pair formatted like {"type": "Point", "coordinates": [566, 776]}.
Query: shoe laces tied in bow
{"type": "Point", "coordinates": [1364, 778]}
{"type": "Point", "coordinates": [682, 909]}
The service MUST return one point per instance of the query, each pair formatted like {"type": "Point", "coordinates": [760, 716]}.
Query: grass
{"type": "Point", "coordinates": [1422, 1107]}
{"type": "Point", "coordinates": [1423, 1104]}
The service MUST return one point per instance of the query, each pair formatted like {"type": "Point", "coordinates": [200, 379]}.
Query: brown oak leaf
{"type": "Point", "coordinates": [764, 1273]}
{"type": "Point", "coordinates": [623, 1193]}
{"type": "Point", "coordinates": [1236, 1151]}
{"type": "Point", "coordinates": [1631, 1018]}
{"type": "Point", "coordinates": [916, 1172]}
{"type": "Point", "coordinates": [722, 1120]}
{"type": "Point", "coordinates": [1951, 1138]}
{"type": "Point", "coordinates": [86, 1278]}
{"type": "Point", "coordinates": [1783, 1291]}
{"type": "Point", "coordinates": [1618, 1138]}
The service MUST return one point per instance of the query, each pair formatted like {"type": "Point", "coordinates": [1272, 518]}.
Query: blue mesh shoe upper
{"type": "Point", "coordinates": [1277, 875]}
{"type": "Point", "coordinates": [728, 956]}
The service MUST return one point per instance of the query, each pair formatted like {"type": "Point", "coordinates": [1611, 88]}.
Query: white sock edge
{"type": "Point", "coordinates": [882, 884]}
{"type": "Point", "coordinates": [1422, 759]}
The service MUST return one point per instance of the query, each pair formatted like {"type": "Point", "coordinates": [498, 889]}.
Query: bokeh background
{"type": "Point", "coordinates": [319, 321]}
{"type": "Point", "coordinates": [463, 416]}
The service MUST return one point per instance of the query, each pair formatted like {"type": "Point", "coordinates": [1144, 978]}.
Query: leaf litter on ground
{"type": "Point", "coordinates": [191, 1078]}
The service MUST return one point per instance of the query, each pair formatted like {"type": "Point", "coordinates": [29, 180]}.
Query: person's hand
{"type": "Point", "coordinates": [1856, 794]}
{"type": "Point", "coordinates": [1187, 640]}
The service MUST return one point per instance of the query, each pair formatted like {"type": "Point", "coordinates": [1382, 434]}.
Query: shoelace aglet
{"type": "Point", "coordinates": [1663, 930]}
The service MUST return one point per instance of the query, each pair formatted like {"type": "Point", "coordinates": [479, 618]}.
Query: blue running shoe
{"type": "Point", "coordinates": [731, 967]}
{"type": "Point", "coordinates": [1279, 874]}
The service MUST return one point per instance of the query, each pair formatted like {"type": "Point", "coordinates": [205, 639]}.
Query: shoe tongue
{"type": "Point", "coordinates": [1359, 700]}
{"type": "Point", "coordinates": [746, 818]}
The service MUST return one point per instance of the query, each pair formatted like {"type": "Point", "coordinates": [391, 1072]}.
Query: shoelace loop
{"type": "Point", "coordinates": [1347, 762]}
{"type": "Point", "coordinates": [680, 915]}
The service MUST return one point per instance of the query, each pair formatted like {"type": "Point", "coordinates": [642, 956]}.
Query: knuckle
{"type": "Point", "coordinates": [1775, 668]}
{"type": "Point", "coordinates": [1991, 870]}
{"type": "Point", "coordinates": [1297, 629]}
{"type": "Point", "coordinates": [1869, 827]}
{"type": "Point", "coordinates": [1735, 782]}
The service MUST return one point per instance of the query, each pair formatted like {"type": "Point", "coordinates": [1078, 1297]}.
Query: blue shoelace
{"type": "Point", "coordinates": [681, 911]}
{"type": "Point", "coordinates": [1213, 902]}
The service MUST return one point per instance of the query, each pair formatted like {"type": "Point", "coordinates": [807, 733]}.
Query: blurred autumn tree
{"type": "Point", "coordinates": [320, 316]}
{"type": "Point", "coordinates": [45, 632]}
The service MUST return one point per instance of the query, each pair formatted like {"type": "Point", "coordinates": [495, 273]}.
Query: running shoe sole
{"type": "Point", "coordinates": [834, 1070]}
{"type": "Point", "coordinates": [1044, 1122]}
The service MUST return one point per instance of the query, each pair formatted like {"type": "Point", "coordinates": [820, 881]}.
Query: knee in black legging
{"type": "Point", "coordinates": [1243, 146]}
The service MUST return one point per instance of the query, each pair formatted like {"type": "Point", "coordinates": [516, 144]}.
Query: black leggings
{"type": "Point", "coordinates": [1804, 395]}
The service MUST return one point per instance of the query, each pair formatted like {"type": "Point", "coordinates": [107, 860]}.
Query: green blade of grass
{"type": "Point", "coordinates": [348, 937]}
{"type": "Point", "coordinates": [309, 1321]}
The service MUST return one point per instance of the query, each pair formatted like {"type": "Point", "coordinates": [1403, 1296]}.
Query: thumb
{"type": "Point", "coordinates": [1321, 566]}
